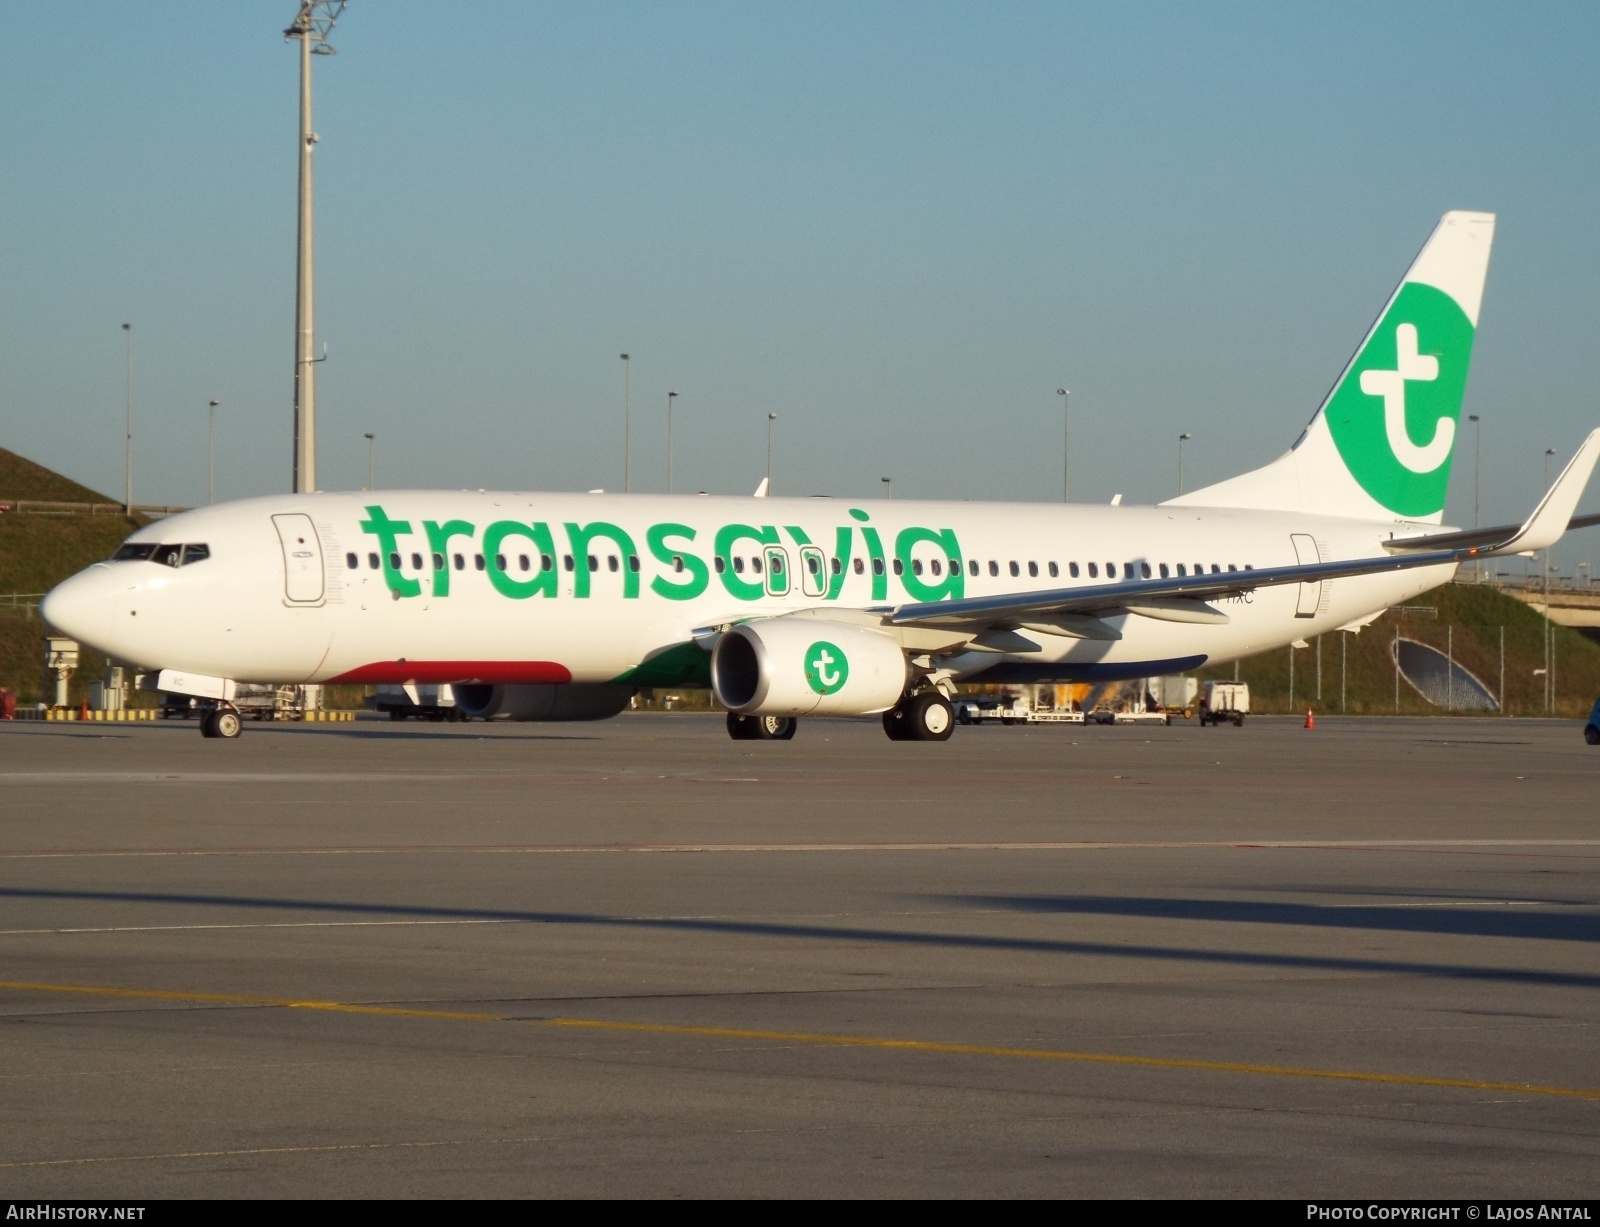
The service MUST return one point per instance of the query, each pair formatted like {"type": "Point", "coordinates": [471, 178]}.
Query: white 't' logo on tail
{"type": "Point", "coordinates": [1391, 385]}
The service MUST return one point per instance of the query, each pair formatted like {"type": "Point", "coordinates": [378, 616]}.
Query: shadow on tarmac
{"type": "Point", "coordinates": [886, 937]}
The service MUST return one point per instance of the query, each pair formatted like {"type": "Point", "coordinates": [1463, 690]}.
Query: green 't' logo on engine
{"type": "Point", "coordinates": [826, 667]}
{"type": "Point", "coordinates": [1393, 416]}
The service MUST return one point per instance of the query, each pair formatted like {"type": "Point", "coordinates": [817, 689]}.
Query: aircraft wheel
{"type": "Point", "coordinates": [227, 724]}
{"type": "Point", "coordinates": [930, 717]}
{"type": "Point", "coordinates": [773, 728]}
{"type": "Point", "coordinates": [1591, 735]}
{"type": "Point", "coordinates": [896, 725]}
{"type": "Point", "coordinates": [741, 728]}
{"type": "Point", "coordinates": [1238, 722]}
{"type": "Point", "coordinates": [208, 726]}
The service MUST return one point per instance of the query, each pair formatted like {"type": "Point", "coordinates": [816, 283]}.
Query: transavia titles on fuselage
{"type": "Point", "coordinates": [561, 605]}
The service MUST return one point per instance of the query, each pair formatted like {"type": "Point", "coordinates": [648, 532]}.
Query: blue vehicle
{"type": "Point", "coordinates": [1591, 731]}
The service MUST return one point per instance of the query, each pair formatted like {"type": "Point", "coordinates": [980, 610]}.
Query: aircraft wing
{"type": "Point", "coordinates": [1552, 517]}
{"type": "Point", "coordinates": [1077, 611]}
{"type": "Point", "coordinates": [1178, 599]}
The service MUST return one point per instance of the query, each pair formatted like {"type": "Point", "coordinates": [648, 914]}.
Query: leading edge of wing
{"type": "Point", "coordinates": [1091, 598]}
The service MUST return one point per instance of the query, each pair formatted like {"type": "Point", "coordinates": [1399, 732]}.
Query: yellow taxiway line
{"type": "Point", "coordinates": [805, 1038]}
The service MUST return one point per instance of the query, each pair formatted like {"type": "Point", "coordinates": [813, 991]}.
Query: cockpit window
{"type": "Point", "coordinates": [166, 555]}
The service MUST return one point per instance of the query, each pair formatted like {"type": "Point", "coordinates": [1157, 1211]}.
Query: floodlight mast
{"type": "Point", "coordinates": [312, 25]}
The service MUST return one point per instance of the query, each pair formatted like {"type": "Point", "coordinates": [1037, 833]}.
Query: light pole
{"type": "Point", "coordinates": [771, 418]}
{"type": "Point", "coordinates": [627, 423]}
{"type": "Point", "coordinates": [312, 25]}
{"type": "Point", "coordinates": [888, 487]}
{"type": "Point", "coordinates": [372, 462]}
{"type": "Point", "coordinates": [211, 452]}
{"type": "Point", "coordinates": [1182, 439]}
{"type": "Point", "coordinates": [671, 396]}
{"type": "Point", "coordinates": [127, 438]}
{"type": "Point", "coordinates": [1066, 435]}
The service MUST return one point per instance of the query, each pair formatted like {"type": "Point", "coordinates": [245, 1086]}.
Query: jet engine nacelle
{"type": "Point", "coordinates": [567, 702]}
{"type": "Point", "coordinates": [807, 667]}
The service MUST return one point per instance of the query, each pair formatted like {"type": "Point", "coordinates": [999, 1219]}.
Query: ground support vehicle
{"type": "Point", "coordinates": [1224, 702]}
{"type": "Point", "coordinates": [1591, 731]}
{"type": "Point", "coordinates": [1013, 708]}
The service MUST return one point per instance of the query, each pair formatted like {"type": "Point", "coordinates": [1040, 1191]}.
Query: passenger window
{"type": "Point", "coordinates": [352, 562]}
{"type": "Point", "coordinates": [916, 566]}
{"type": "Point", "coordinates": [416, 562]}
{"type": "Point", "coordinates": [955, 566]}
{"type": "Point", "coordinates": [1014, 569]}
{"type": "Point", "coordinates": [461, 563]}
{"type": "Point", "coordinates": [899, 567]}
{"type": "Point", "coordinates": [1054, 570]}
{"type": "Point", "coordinates": [994, 567]}
{"type": "Point", "coordinates": [633, 563]}
{"type": "Point", "coordinates": [860, 567]}
{"type": "Point", "coordinates": [755, 565]}
{"type": "Point", "coordinates": [1111, 570]}
{"type": "Point", "coordinates": [567, 561]}
{"type": "Point", "coordinates": [718, 565]}
{"type": "Point", "coordinates": [938, 567]}
{"type": "Point", "coordinates": [546, 563]}
{"type": "Point", "coordinates": [394, 562]}
{"type": "Point", "coordinates": [877, 566]}
{"type": "Point", "coordinates": [738, 565]}
{"type": "Point", "coordinates": [500, 562]}
{"type": "Point", "coordinates": [972, 567]}
{"type": "Point", "coordinates": [1144, 569]}
{"type": "Point", "coordinates": [1072, 569]}
{"type": "Point", "coordinates": [1094, 570]}
{"type": "Point", "coordinates": [372, 562]}
{"type": "Point", "coordinates": [1215, 569]}
{"type": "Point", "coordinates": [438, 562]}
{"type": "Point", "coordinates": [594, 564]}
{"type": "Point", "coordinates": [1163, 570]}
{"type": "Point", "coordinates": [477, 561]}
{"type": "Point", "coordinates": [835, 566]}
{"type": "Point", "coordinates": [523, 564]}
{"type": "Point", "coordinates": [1231, 567]}
{"type": "Point", "coordinates": [611, 563]}
{"type": "Point", "coordinates": [1033, 570]}
{"type": "Point", "coordinates": [813, 565]}
{"type": "Point", "coordinates": [1182, 570]}
{"type": "Point", "coordinates": [677, 563]}
{"type": "Point", "coordinates": [776, 563]}
{"type": "Point", "coordinates": [1199, 568]}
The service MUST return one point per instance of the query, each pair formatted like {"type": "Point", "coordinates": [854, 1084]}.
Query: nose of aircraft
{"type": "Point", "coordinates": [81, 607]}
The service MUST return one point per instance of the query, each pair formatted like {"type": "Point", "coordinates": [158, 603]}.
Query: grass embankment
{"type": "Point", "coordinates": [1467, 619]}
{"type": "Point", "coordinates": [21, 478]}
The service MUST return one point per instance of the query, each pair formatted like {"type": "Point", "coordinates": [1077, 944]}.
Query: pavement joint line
{"type": "Point", "coordinates": [1447, 846]}
{"type": "Point", "coordinates": [262, 1150]}
{"type": "Point", "coordinates": [809, 1039]}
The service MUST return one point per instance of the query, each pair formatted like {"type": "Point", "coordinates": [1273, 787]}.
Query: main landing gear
{"type": "Point", "coordinates": [221, 721]}
{"type": "Point", "coordinates": [923, 717]}
{"type": "Point", "coordinates": [761, 728]}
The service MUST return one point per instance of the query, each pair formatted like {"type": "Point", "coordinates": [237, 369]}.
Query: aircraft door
{"type": "Point", "coordinates": [1310, 595]}
{"type": "Point", "coordinates": [777, 570]}
{"type": "Point", "coordinates": [813, 571]}
{"type": "Point", "coordinates": [302, 559]}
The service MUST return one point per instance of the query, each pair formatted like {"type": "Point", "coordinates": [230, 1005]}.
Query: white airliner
{"type": "Point", "coordinates": [559, 606]}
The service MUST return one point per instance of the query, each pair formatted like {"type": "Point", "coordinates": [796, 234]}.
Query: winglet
{"type": "Point", "coordinates": [1550, 518]}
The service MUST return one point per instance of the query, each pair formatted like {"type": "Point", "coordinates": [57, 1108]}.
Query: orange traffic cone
{"type": "Point", "coordinates": [1311, 721]}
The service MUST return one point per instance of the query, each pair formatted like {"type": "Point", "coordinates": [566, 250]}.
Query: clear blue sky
{"type": "Point", "coordinates": [899, 226]}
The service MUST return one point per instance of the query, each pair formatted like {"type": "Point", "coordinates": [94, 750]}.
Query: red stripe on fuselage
{"type": "Point", "coordinates": [465, 672]}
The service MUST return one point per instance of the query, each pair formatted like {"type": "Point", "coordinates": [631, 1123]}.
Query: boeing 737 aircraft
{"type": "Point", "coordinates": [559, 606]}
